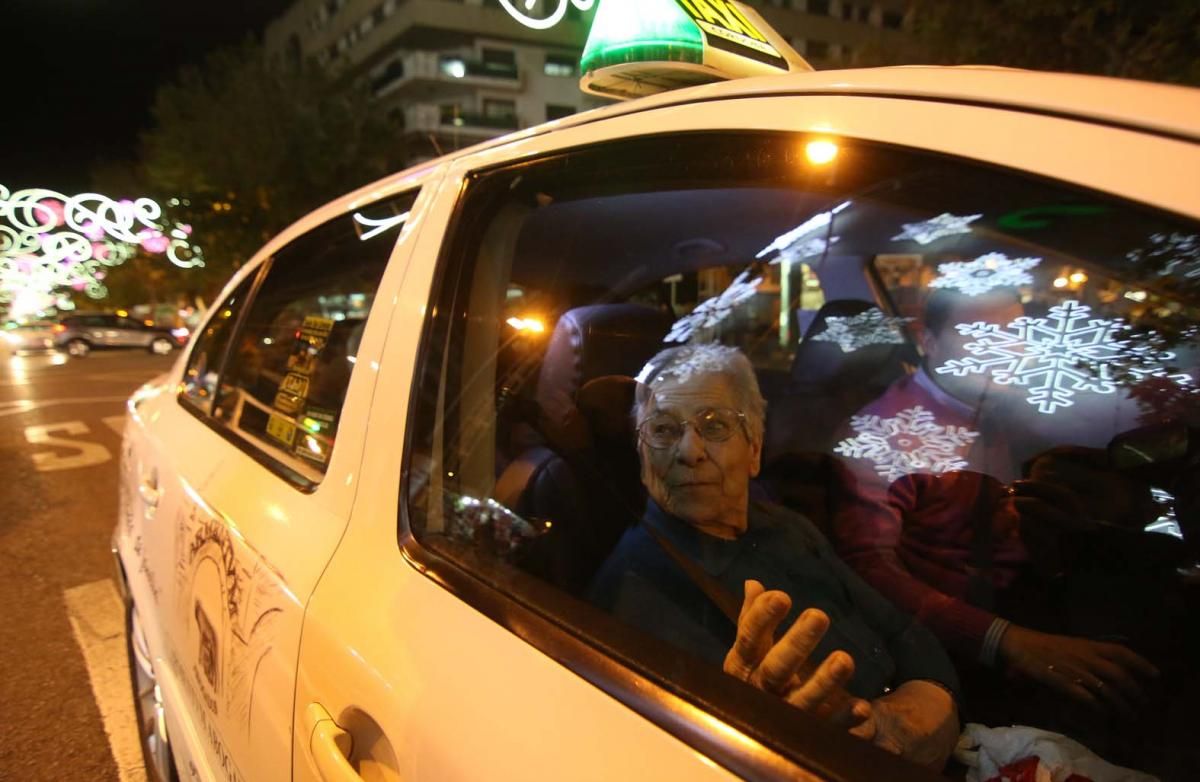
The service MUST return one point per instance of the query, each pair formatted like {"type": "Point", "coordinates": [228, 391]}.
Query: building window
{"type": "Point", "coordinates": [560, 65]}
{"type": "Point", "coordinates": [817, 49]}
{"type": "Point", "coordinates": [557, 111]}
{"type": "Point", "coordinates": [818, 7]}
{"type": "Point", "coordinates": [893, 20]}
{"type": "Point", "coordinates": [499, 62]}
{"type": "Point", "coordinates": [500, 111]}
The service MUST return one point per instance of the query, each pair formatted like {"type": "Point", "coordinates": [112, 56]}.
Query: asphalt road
{"type": "Point", "coordinates": [60, 421]}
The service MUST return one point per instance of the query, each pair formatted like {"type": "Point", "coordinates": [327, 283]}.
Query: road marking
{"type": "Point", "coordinates": [87, 454]}
{"type": "Point", "coordinates": [116, 423]}
{"type": "Point", "coordinates": [25, 405]}
{"type": "Point", "coordinates": [98, 622]}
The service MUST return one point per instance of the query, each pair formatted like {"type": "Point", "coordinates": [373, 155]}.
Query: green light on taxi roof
{"type": "Point", "coordinates": [626, 31]}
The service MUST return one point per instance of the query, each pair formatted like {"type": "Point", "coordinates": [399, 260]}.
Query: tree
{"type": "Point", "coordinates": [245, 146]}
{"type": "Point", "coordinates": [1156, 40]}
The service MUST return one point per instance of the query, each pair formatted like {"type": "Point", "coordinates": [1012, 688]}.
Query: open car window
{"type": "Point", "coordinates": [980, 386]}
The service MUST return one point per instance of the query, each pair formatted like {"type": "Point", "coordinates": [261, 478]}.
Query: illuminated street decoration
{"type": "Point", "coordinates": [1059, 356]}
{"type": "Point", "coordinates": [800, 242]}
{"type": "Point", "coordinates": [50, 241]}
{"type": "Point", "coordinates": [935, 228]}
{"type": "Point", "coordinates": [994, 270]}
{"type": "Point", "coordinates": [853, 332]}
{"type": "Point", "coordinates": [1166, 523]}
{"type": "Point", "coordinates": [523, 14]}
{"type": "Point", "coordinates": [378, 226]}
{"type": "Point", "coordinates": [910, 442]}
{"type": "Point", "coordinates": [1172, 254]}
{"type": "Point", "coordinates": [711, 312]}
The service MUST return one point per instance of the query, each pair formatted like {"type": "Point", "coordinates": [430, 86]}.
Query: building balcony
{"type": "Point", "coordinates": [426, 118]}
{"type": "Point", "coordinates": [444, 74]}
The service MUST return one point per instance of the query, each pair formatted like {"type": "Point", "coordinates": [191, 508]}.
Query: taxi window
{"type": "Point", "coordinates": [290, 363]}
{"type": "Point", "coordinates": [943, 402]}
{"type": "Point", "coordinates": [204, 363]}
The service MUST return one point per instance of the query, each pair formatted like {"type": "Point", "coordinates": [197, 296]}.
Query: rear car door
{"type": "Point", "coordinates": [242, 494]}
{"type": "Point", "coordinates": [437, 645]}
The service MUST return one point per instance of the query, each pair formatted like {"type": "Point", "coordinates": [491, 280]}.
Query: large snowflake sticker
{"type": "Point", "coordinates": [853, 332]}
{"type": "Point", "coordinates": [911, 442]}
{"type": "Point", "coordinates": [1061, 355]}
{"type": "Point", "coordinates": [1172, 254]}
{"type": "Point", "coordinates": [993, 270]}
{"type": "Point", "coordinates": [711, 312]}
{"type": "Point", "coordinates": [928, 231]}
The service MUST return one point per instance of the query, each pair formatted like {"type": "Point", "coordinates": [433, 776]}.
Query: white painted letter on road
{"type": "Point", "coordinates": [84, 454]}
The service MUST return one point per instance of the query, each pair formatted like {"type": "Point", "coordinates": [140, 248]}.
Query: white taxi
{"type": "Point", "coordinates": [362, 517]}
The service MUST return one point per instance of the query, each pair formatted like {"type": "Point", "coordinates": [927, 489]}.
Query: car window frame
{"type": "Point", "coordinates": [681, 695]}
{"type": "Point", "coordinates": [294, 478]}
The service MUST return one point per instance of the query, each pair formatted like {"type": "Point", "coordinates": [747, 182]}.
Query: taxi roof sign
{"type": "Point", "coordinates": [641, 47]}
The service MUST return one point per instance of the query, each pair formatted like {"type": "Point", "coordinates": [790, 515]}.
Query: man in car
{"type": "Point", "coordinates": [703, 541]}
{"type": "Point", "coordinates": [948, 542]}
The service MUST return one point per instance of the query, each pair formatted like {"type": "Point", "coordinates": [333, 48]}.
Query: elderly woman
{"type": "Point", "coordinates": [700, 420]}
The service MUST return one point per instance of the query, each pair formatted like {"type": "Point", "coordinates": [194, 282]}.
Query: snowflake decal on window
{"type": "Point", "coordinates": [911, 442]}
{"type": "Point", "coordinates": [931, 230]}
{"type": "Point", "coordinates": [1061, 355]}
{"type": "Point", "coordinates": [994, 270]}
{"type": "Point", "coordinates": [711, 312]}
{"type": "Point", "coordinates": [1172, 254]}
{"type": "Point", "coordinates": [871, 327]}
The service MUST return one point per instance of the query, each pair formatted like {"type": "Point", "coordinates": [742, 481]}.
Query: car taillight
{"type": "Point", "coordinates": [59, 328]}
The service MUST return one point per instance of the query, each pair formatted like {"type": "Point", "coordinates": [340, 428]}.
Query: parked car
{"type": "Point", "coordinates": [361, 515]}
{"type": "Point", "coordinates": [80, 334]}
{"type": "Point", "coordinates": [29, 336]}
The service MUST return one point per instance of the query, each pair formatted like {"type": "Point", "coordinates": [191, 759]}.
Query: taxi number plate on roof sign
{"type": "Point", "coordinates": [726, 27]}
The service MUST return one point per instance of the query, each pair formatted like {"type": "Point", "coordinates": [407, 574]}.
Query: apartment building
{"type": "Point", "coordinates": [455, 72]}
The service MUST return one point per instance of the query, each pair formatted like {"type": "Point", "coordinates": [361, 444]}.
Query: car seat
{"type": "Point", "coordinates": [582, 477]}
{"type": "Point", "coordinates": [829, 384]}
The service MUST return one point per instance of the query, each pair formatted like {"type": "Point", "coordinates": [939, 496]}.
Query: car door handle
{"type": "Point", "coordinates": [148, 490]}
{"type": "Point", "coordinates": [329, 746]}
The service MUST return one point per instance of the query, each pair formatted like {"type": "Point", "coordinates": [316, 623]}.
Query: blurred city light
{"type": "Point", "coordinates": [51, 244]}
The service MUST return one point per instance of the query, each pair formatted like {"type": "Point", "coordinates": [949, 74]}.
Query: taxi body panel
{"type": "Point", "coordinates": [313, 598]}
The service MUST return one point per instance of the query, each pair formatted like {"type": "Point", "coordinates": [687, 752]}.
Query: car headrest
{"type": "Point", "coordinates": [594, 341]}
{"type": "Point", "coordinates": [822, 361]}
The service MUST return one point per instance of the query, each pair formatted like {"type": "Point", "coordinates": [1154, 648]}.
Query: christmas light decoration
{"type": "Point", "coordinates": [1061, 355]}
{"type": "Point", "coordinates": [910, 442]}
{"type": "Point", "coordinates": [544, 23]}
{"type": "Point", "coordinates": [935, 228]}
{"type": "Point", "coordinates": [994, 270]}
{"type": "Point", "coordinates": [711, 312]}
{"type": "Point", "coordinates": [50, 242]}
{"type": "Point", "coordinates": [871, 327]}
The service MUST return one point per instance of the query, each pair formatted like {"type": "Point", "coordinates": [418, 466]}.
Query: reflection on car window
{"type": "Point", "coordinates": [290, 362]}
{"type": "Point", "coordinates": [981, 402]}
{"type": "Point", "coordinates": [204, 363]}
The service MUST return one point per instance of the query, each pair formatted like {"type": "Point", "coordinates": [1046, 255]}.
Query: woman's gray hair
{"type": "Point", "coordinates": [688, 361]}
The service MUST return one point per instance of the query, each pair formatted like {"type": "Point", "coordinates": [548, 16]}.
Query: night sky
{"type": "Point", "coordinates": [81, 75]}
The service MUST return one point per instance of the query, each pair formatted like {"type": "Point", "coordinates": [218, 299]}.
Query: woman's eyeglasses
{"type": "Point", "coordinates": [664, 430]}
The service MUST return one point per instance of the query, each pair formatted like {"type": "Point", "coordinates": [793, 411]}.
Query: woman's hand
{"type": "Point", "coordinates": [1105, 676]}
{"type": "Point", "coordinates": [917, 721]}
{"type": "Point", "coordinates": [783, 668]}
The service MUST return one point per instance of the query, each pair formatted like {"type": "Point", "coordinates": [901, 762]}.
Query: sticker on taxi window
{"type": "Point", "coordinates": [281, 429]}
{"type": "Point", "coordinates": [315, 435]}
{"type": "Point", "coordinates": [292, 394]}
{"type": "Point", "coordinates": [310, 340]}
{"type": "Point", "coordinates": [726, 27]}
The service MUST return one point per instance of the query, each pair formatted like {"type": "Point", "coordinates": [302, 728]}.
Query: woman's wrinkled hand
{"type": "Point", "coordinates": [783, 667]}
